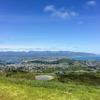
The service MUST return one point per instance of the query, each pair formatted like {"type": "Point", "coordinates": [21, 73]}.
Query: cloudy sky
{"type": "Point", "coordinates": [50, 25]}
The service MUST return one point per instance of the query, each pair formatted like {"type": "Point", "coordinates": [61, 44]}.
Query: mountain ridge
{"type": "Point", "coordinates": [48, 53]}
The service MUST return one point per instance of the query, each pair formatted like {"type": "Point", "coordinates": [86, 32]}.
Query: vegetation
{"type": "Point", "coordinates": [22, 86]}
{"type": "Point", "coordinates": [73, 80]}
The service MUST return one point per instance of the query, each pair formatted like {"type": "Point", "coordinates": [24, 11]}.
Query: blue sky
{"type": "Point", "coordinates": [50, 25]}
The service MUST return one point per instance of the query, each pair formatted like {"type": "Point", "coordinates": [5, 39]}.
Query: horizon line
{"type": "Point", "coordinates": [48, 51]}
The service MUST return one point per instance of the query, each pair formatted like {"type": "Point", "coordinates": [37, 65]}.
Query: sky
{"type": "Point", "coordinates": [69, 25]}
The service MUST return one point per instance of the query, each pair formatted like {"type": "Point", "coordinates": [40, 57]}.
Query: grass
{"type": "Point", "coordinates": [86, 78]}
{"type": "Point", "coordinates": [12, 88]}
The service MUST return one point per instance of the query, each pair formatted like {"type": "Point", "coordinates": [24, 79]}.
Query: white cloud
{"type": "Point", "coordinates": [49, 8]}
{"type": "Point", "coordinates": [61, 13]}
{"type": "Point", "coordinates": [91, 3]}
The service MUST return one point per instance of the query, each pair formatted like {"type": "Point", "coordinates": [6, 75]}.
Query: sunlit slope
{"type": "Point", "coordinates": [18, 89]}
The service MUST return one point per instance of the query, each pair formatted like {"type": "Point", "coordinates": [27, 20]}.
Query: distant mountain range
{"type": "Point", "coordinates": [47, 54]}
{"type": "Point", "coordinates": [17, 57]}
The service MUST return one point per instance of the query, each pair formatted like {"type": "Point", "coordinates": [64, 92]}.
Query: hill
{"type": "Point", "coordinates": [20, 88]}
{"type": "Point", "coordinates": [16, 57]}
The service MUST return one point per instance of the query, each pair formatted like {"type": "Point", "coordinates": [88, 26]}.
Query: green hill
{"type": "Point", "coordinates": [24, 89]}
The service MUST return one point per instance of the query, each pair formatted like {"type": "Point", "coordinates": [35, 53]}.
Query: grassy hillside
{"type": "Point", "coordinates": [12, 88]}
